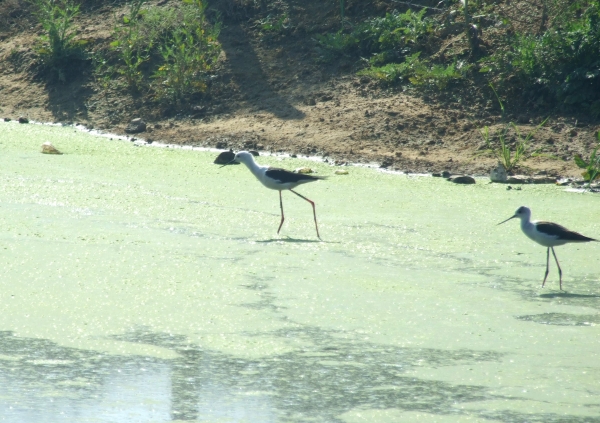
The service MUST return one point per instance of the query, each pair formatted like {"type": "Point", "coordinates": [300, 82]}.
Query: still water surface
{"type": "Point", "coordinates": [148, 285]}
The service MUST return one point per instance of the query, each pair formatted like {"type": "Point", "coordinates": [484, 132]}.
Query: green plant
{"type": "Point", "coordinates": [418, 72]}
{"type": "Point", "coordinates": [132, 46]}
{"type": "Point", "coordinates": [274, 24]}
{"type": "Point", "coordinates": [508, 158]}
{"type": "Point", "coordinates": [502, 151]}
{"type": "Point", "coordinates": [394, 43]}
{"type": "Point", "coordinates": [58, 49]}
{"type": "Point", "coordinates": [132, 59]}
{"type": "Point", "coordinates": [166, 51]}
{"type": "Point", "coordinates": [104, 71]}
{"type": "Point", "coordinates": [592, 166]}
{"type": "Point", "coordinates": [394, 72]}
{"type": "Point", "coordinates": [188, 54]}
{"type": "Point", "coordinates": [185, 68]}
{"type": "Point", "coordinates": [337, 42]}
{"type": "Point", "coordinates": [560, 64]}
{"type": "Point", "coordinates": [438, 76]}
{"type": "Point", "coordinates": [395, 33]}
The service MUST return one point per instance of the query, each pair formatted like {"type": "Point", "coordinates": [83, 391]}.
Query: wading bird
{"type": "Point", "coordinates": [278, 179]}
{"type": "Point", "coordinates": [548, 234]}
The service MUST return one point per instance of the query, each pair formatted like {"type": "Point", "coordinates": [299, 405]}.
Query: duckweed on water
{"type": "Point", "coordinates": [148, 284]}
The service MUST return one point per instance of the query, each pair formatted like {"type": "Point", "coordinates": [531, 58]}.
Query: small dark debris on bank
{"type": "Point", "coordinates": [462, 179]}
{"type": "Point", "coordinates": [136, 126]}
{"type": "Point", "coordinates": [225, 157]}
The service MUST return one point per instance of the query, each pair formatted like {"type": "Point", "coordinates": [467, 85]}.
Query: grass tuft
{"type": "Point", "coordinates": [591, 166]}
{"type": "Point", "coordinates": [166, 51]}
{"type": "Point", "coordinates": [57, 48]}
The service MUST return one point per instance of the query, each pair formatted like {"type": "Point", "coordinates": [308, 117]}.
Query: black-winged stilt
{"type": "Point", "coordinates": [548, 234]}
{"type": "Point", "coordinates": [278, 179]}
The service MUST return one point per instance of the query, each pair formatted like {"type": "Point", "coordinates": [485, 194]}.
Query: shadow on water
{"type": "Point", "coordinates": [562, 319]}
{"type": "Point", "coordinates": [526, 288]}
{"type": "Point", "coordinates": [267, 299]}
{"type": "Point", "coordinates": [568, 295]}
{"type": "Point", "coordinates": [291, 240]}
{"type": "Point", "coordinates": [568, 319]}
{"type": "Point", "coordinates": [512, 416]}
{"type": "Point", "coordinates": [329, 376]}
{"type": "Point", "coordinates": [326, 378]}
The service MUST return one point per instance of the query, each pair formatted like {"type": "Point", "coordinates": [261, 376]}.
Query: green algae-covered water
{"type": "Point", "coordinates": [144, 284]}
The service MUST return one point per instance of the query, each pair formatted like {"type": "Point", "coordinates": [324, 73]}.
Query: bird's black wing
{"type": "Point", "coordinates": [285, 176]}
{"type": "Point", "coordinates": [560, 231]}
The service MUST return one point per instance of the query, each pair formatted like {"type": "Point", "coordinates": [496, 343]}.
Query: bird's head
{"type": "Point", "coordinates": [243, 157]}
{"type": "Point", "coordinates": [523, 213]}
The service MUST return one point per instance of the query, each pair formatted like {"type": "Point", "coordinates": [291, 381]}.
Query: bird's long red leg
{"type": "Point", "coordinates": [547, 265]}
{"type": "Point", "coordinates": [559, 269]}
{"type": "Point", "coordinates": [282, 217]}
{"type": "Point", "coordinates": [314, 211]}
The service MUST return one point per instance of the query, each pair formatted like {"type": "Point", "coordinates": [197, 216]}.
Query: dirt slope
{"type": "Point", "coordinates": [273, 93]}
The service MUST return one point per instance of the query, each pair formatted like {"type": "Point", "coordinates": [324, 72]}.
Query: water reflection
{"type": "Point", "coordinates": [328, 377]}
{"type": "Point", "coordinates": [41, 381]}
{"type": "Point", "coordinates": [332, 374]}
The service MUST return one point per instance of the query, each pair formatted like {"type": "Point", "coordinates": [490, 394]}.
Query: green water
{"type": "Point", "coordinates": [143, 284]}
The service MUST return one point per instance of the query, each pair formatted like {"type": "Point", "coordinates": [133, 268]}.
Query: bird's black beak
{"type": "Point", "coordinates": [227, 163]}
{"type": "Point", "coordinates": [507, 220]}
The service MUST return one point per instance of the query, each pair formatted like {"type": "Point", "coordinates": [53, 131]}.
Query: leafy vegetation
{"type": "Point", "coordinates": [546, 59]}
{"type": "Point", "coordinates": [57, 48]}
{"type": "Point", "coordinates": [502, 151]}
{"type": "Point", "coordinates": [168, 51]}
{"type": "Point", "coordinates": [561, 63]}
{"type": "Point", "coordinates": [591, 166]}
{"type": "Point", "coordinates": [394, 44]}
{"type": "Point", "coordinates": [549, 57]}
{"type": "Point", "coordinates": [501, 146]}
{"type": "Point", "coordinates": [418, 72]}
{"type": "Point", "coordinates": [275, 24]}
{"type": "Point", "coordinates": [389, 38]}
{"type": "Point", "coordinates": [188, 55]}
{"type": "Point", "coordinates": [132, 45]}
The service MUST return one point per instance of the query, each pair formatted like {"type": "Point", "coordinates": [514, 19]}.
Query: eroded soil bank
{"type": "Point", "coordinates": [273, 92]}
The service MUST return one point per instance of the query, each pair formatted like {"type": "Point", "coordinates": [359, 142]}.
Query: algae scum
{"type": "Point", "coordinates": [148, 285]}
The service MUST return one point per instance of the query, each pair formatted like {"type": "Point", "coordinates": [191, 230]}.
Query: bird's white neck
{"type": "Point", "coordinates": [255, 168]}
{"type": "Point", "coordinates": [527, 225]}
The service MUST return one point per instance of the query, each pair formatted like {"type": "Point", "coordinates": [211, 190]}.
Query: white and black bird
{"type": "Point", "coordinates": [548, 234]}
{"type": "Point", "coordinates": [278, 179]}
